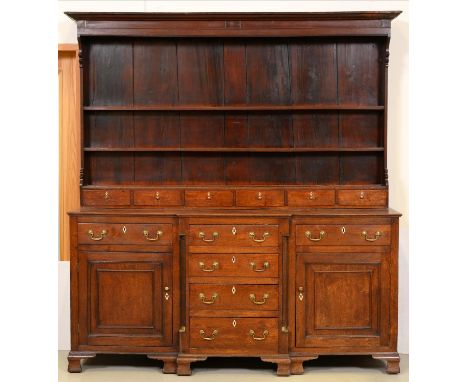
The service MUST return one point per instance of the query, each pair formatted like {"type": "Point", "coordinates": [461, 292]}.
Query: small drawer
{"type": "Point", "coordinates": [234, 235]}
{"type": "Point", "coordinates": [224, 264]}
{"type": "Point", "coordinates": [347, 234]}
{"type": "Point", "coordinates": [158, 198]}
{"type": "Point", "coordinates": [362, 198]}
{"type": "Point", "coordinates": [121, 233]}
{"type": "Point", "coordinates": [215, 198]}
{"type": "Point", "coordinates": [311, 198]}
{"type": "Point", "coordinates": [105, 197]}
{"type": "Point", "coordinates": [236, 334]}
{"type": "Point", "coordinates": [233, 297]}
{"type": "Point", "coordinates": [259, 198]}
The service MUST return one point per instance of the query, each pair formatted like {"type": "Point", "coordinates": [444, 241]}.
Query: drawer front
{"type": "Point", "coordinates": [233, 297]}
{"type": "Point", "coordinates": [234, 235]}
{"type": "Point", "coordinates": [105, 197]}
{"type": "Point", "coordinates": [161, 198]}
{"type": "Point", "coordinates": [363, 198]}
{"type": "Point", "coordinates": [242, 265]}
{"type": "Point", "coordinates": [348, 234]}
{"type": "Point", "coordinates": [242, 335]}
{"type": "Point", "coordinates": [259, 198]}
{"type": "Point", "coordinates": [121, 233]}
{"type": "Point", "coordinates": [309, 198]}
{"type": "Point", "coordinates": [209, 198]}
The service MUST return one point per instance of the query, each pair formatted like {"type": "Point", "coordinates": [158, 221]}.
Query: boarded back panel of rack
{"type": "Point", "coordinates": [155, 72]}
{"type": "Point", "coordinates": [110, 74]}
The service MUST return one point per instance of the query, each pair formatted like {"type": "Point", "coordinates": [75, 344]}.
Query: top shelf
{"type": "Point", "coordinates": [234, 108]}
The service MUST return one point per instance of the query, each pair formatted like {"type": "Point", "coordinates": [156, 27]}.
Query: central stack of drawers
{"type": "Point", "coordinates": [233, 284]}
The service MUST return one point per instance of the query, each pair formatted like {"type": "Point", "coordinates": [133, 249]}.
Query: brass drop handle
{"type": "Point", "coordinates": [201, 235]}
{"type": "Point", "coordinates": [97, 238]}
{"type": "Point", "coordinates": [214, 333]}
{"type": "Point", "coordinates": [253, 266]}
{"type": "Point", "coordinates": [252, 236]}
{"type": "Point", "coordinates": [215, 266]}
{"type": "Point", "coordinates": [157, 196]}
{"type": "Point", "coordinates": [308, 235]}
{"type": "Point", "coordinates": [254, 299]}
{"type": "Point", "coordinates": [147, 235]}
{"type": "Point", "coordinates": [259, 196]}
{"type": "Point", "coordinates": [365, 235]}
{"type": "Point", "coordinates": [301, 293]}
{"type": "Point", "coordinates": [252, 334]}
{"type": "Point", "coordinates": [203, 299]}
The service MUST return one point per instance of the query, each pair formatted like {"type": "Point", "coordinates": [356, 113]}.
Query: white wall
{"type": "Point", "coordinates": [397, 117]}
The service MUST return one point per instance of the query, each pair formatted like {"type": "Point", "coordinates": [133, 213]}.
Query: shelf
{"type": "Point", "coordinates": [235, 149]}
{"type": "Point", "coordinates": [298, 107]}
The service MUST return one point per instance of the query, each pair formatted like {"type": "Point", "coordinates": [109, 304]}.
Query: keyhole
{"type": "Point", "coordinates": [343, 230]}
{"type": "Point", "coordinates": [124, 229]}
{"type": "Point", "coordinates": [233, 290]}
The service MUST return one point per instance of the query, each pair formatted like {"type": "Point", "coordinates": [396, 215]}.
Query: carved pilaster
{"type": "Point", "coordinates": [81, 177]}
{"type": "Point", "coordinates": [80, 54]}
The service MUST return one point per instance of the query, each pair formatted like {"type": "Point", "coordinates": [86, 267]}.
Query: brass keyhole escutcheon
{"type": "Point", "coordinates": [233, 259]}
{"type": "Point", "coordinates": [259, 196]}
{"type": "Point", "coordinates": [234, 323]}
{"type": "Point", "coordinates": [209, 196]}
{"type": "Point", "coordinates": [234, 230]}
{"type": "Point", "coordinates": [157, 196]}
{"type": "Point", "coordinates": [311, 195]}
{"type": "Point", "coordinates": [361, 195]}
{"type": "Point", "coordinates": [124, 229]}
{"type": "Point", "coordinates": [233, 290]}
{"type": "Point", "coordinates": [166, 294]}
{"type": "Point", "coordinates": [106, 195]}
{"type": "Point", "coordinates": [343, 230]}
{"type": "Point", "coordinates": [301, 293]}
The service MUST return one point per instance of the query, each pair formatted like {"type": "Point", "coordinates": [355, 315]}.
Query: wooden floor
{"type": "Point", "coordinates": [119, 368]}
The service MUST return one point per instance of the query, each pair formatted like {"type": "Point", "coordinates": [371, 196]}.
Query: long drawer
{"type": "Point", "coordinates": [347, 234]}
{"type": "Point", "coordinates": [239, 335]}
{"type": "Point", "coordinates": [121, 233]}
{"type": "Point", "coordinates": [239, 265]}
{"type": "Point", "coordinates": [234, 297]}
{"type": "Point", "coordinates": [255, 235]}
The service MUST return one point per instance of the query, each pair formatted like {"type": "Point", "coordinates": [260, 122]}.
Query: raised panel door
{"type": "Point", "coordinates": [125, 299]}
{"type": "Point", "coordinates": [342, 300]}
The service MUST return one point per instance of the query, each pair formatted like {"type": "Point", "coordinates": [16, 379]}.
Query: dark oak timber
{"type": "Point", "coordinates": [234, 189]}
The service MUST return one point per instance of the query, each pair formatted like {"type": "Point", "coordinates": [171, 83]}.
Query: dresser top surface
{"type": "Point", "coordinates": [276, 212]}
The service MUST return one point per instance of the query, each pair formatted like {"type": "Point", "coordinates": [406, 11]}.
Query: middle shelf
{"type": "Point", "coordinates": [235, 149]}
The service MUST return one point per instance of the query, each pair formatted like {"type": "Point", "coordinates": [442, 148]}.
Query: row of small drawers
{"type": "Point", "coordinates": [234, 235]}
{"type": "Point", "coordinates": [239, 198]}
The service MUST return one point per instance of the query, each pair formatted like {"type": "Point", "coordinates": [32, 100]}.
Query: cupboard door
{"type": "Point", "coordinates": [125, 299]}
{"type": "Point", "coordinates": [342, 300]}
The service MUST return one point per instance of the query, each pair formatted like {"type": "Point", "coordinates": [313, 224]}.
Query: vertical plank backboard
{"type": "Point", "coordinates": [69, 137]}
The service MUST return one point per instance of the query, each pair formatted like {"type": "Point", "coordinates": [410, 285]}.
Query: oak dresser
{"type": "Point", "coordinates": [234, 189]}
